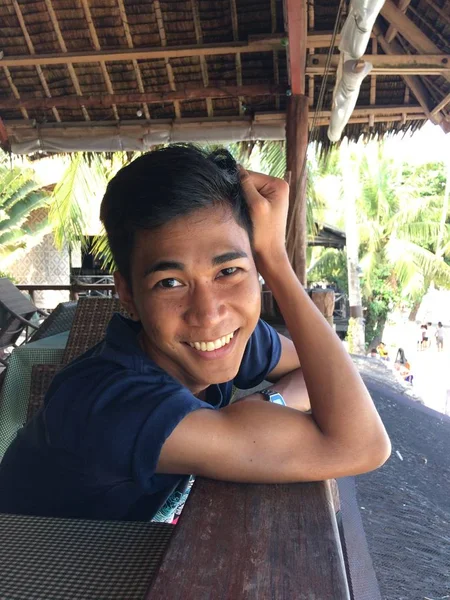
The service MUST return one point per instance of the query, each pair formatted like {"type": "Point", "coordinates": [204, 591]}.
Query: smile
{"type": "Point", "coordinates": [214, 345]}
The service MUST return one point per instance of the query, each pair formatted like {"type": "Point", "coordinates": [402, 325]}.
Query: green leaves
{"type": "Point", "coordinates": [20, 196]}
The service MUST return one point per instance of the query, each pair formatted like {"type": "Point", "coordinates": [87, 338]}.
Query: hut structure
{"type": "Point", "coordinates": [106, 75]}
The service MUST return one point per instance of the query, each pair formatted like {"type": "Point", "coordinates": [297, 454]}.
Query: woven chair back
{"type": "Point", "coordinates": [59, 320]}
{"type": "Point", "coordinates": [89, 325]}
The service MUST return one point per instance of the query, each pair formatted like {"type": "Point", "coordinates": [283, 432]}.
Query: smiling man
{"type": "Point", "coordinates": [126, 424]}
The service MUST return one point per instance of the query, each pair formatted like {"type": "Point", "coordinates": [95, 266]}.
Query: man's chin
{"type": "Point", "coordinates": [216, 376]}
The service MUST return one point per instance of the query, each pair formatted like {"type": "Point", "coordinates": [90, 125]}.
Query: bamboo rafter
{"type": "Point", "coordinates": [235, 27]}
{"type": "Point", "coordinates": [137, 70]}
{"type": "Point", "coordinates": [32, 51]}
{"type": "Point", "coordinates": [166, 55]}
{"type": "Point", "coordinates": [62, 44]}
{"type": "Point", "coordinates": [95, 41]}
{"type": "Point", "coordinates": [203, 64]}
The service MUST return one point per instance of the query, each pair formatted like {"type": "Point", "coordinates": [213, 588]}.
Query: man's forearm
{"type": "Point", "coordinates": [340, 403]}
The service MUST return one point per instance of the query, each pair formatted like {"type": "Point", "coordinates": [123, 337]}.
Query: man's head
{"type": "Point", "coordinates": [166, 184]}
{"type": "Point", "coordinates": [180, 233]}
{"type": "Point", "coordinates": [373, 352]}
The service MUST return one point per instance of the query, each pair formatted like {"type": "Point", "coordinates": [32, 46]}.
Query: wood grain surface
{"type": "Point", "coordinates": [246, 541]}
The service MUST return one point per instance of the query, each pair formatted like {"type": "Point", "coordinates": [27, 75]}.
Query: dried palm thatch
{"type": "Point", "coordinates": [127, 74]}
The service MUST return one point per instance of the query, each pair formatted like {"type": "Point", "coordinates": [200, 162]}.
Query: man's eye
{"type": "Point", "coordinates": [169, 283]}
{"type": "Point", "coordinates": [229, 271]}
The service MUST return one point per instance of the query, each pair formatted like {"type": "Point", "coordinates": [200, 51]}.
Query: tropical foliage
{"type": "Point", "coordinates": [20, 196]}
{"type": "Point", "coordinates": [404, 231]}
{"type": "Point", "coordinates": [75, 202]}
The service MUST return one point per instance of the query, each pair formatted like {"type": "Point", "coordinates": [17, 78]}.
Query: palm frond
{"type": "Point", "coordinates": [82, 185]}
{"type": "Point", "coordinates": [409, 258]}
{"type": "Point", "coordinates": [102, 251]}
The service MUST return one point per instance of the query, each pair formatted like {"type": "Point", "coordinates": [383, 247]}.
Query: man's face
{"type": "Point", "coordinates": [195, 288]}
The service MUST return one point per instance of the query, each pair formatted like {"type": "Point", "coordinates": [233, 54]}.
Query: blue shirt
{"type": "Point", "coordinates": [92, 451]}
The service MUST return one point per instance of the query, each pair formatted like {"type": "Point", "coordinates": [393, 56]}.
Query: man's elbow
{"type": "Point", "coordinates": [373, 455]}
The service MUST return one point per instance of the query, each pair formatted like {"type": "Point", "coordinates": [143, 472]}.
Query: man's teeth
{"type": "Point", "coordinates": [210, 346]}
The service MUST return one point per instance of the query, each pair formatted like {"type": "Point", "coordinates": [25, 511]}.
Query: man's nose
{"type": "Point", "coordinates": [206, 307]}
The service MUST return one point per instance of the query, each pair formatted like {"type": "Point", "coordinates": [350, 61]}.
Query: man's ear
{"type": "Point", "coordinates": [126, 297]}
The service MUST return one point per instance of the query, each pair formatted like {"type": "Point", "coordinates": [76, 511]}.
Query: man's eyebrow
{"type": "Point", "coordinates": [164, 265]}
{"type": "Point", "coordinates": [228, 256]}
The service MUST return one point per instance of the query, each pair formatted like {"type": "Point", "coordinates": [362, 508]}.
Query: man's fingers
{"type": "Point", "coordinates": [263, 184]}
{"type": "Point", "coordinates": [248, 185]}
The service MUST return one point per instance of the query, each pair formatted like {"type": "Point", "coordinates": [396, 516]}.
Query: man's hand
{"type": "Point", "coordinates": [268, 201]}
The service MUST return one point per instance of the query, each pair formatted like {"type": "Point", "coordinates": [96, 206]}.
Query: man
{"type": "Point", "coordinates": [125, 425]}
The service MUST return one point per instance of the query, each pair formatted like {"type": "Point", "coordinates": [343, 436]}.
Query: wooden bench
{"type": "Point", "coordinates": [252, 542]}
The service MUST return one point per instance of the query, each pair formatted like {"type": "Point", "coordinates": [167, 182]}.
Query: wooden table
{"type": "Point", "coordinates": [254, 542]}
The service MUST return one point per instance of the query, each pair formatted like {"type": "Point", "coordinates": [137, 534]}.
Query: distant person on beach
{"type": "Point", "coordinates": [439, 335]}
{"type": "Point", "coordinates": [382, 351]}
{"type": "Point", "coordinates": [403, 367]}
{"type": "Point", "coordinates": [422, 343]}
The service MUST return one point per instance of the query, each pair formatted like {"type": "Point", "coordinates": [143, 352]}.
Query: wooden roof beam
{"type": "Point", "coordinates": [165, 56]}
{"type": "Point", "coordinates": [62, 44]}
{"type": "Point", "coordinates": [441, 105]}
{"type": "Point", "coordinates": [413, 82]}
{"type": "Point", "coordinates": [381, 113]}
{"type": "Point", "coordinates": [296, 24]}
{"type": "Point", "coordinates": [238, 62]}
{"type": "Point", "coordinates": [137, 70]}
{"type": "Point", "coordinates": [163, 52]}
{"type": "Point", "coordinates": [15, 91]}
{"type": "Point", "coordinates": [444, 16]}
{"type": "Point", "coordinates": [276, 66]}
{"type": "Point", "coordinates": [95, 41]}
{"type": "Point", "coordinates": [203, 65]}
{"type": "Point", "coordinates": [412, 34]}
{"type": "Point", "coordinates": [106, 100]}
{"type": "Point", "coordinates": [420, 17]}
{"type": "Point", "coordinates": [397, 64]}
{"type": "Point", "coordinates": [311, 50]}
{"type": "Point", "coordinates": [3, 134]}
{"type": "Point", "coordinates": [391, 31]}
{"type": "Point", "coordinates": [256, 43]}
{"type": "Point", "coordinates": [408, 29]}
{"type": "Point", "coordinates": [32, 51]}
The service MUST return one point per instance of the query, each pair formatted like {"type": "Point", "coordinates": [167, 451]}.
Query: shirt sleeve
{"type": "Point", "coordinates": [261, 356]}
{"type": "Point", "coordinates": [118, 421]}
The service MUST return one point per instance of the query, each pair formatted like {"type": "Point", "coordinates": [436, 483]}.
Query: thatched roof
{"type": "Point", "coordinates": [126, 74]}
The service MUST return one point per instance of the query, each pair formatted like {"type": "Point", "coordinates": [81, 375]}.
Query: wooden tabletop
{"type": "Point", "coordinates": [261, 542]}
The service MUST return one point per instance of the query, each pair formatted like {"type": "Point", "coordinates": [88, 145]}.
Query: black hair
{"type": "Point", "coordinates": [400, 358]}
{"type": "Point", "coordinates": [163, 185]}
{"type": "Point", "coordinates": [439, 324]}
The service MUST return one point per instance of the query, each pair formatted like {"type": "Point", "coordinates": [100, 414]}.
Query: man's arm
{"type": "Point", "coordinates": [288, 362]}
{"type": "Point", "coordinates": [256, 441]}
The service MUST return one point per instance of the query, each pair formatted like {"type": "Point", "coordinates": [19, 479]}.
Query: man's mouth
{"type": "Point", "coordinates": [209, 346]}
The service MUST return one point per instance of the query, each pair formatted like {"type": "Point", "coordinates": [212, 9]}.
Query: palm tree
{"type": "Point", "coordinates": [75, 201]}
{"type": "Point", "coordinates": [400, 226]}
{"type": "Point", "coordinates": [399, 222]}
{"type": "Point", "coordinates": [20, 196]}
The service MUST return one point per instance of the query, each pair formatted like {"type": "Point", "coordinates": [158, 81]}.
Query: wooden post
{"type": "Point", "coordinates": [296, 148]}
{"type": "Point", "coordinates": [296, 24]}
{"type": "Point", "coordinates": [324, 300]}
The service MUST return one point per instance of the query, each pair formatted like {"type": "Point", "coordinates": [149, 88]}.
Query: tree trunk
{"type": "Point", "coordinates": [444, 213]}
{"type": "Point", "coordinates": [415, 310]}
{"type": "Point", "coordinates": [350, 184]}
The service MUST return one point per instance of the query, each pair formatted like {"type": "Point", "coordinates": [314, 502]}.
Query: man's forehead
{"type": "Point", "coordinates": [200, 228]}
